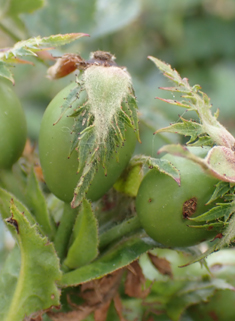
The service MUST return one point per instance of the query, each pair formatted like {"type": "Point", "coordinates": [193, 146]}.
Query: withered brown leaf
{"type": "Point", "coordinates": [97, 295]}
{"type": "Point", "coordinates": [101, 290]}
{"type": "Point", "coordinates": [101, 313]}
{"type": "Point", "coordinates": [161, 264]}
{"type": "Point", "coordinates": [135, 282]}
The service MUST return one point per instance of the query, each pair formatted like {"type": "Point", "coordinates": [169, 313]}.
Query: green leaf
{"type": "Point", "coordinates": [163, 165]}
{"type": "Point", "coordinates": [193, 293]}
{"type": "Point", "coordinates": [84, 248]}
{"type": "Point", "coordinates": [5, 72]}
{"type": "Point", "coordinates": [186, 128]}
{"type": "Point", "coordinates": [228, 234]}
{"type": "Point", "coordinates": [30, 47]}
{"type": "Point", "coordinates": [221, 189]}
{"type": "Point", "coordinates": [5, 201]}
{"type": "Point", "coordinates": [203, 141]}
{"type": "Point", "coordinates": [8, 279]}
{"type": "Point", "coordinates": [224, 210]}
{"type": "Point", "coordinates": [178, 103]}
{"type": "Point", "coordinates": [229, 197]}
{"type": "Point", "coordinates": [207, 226]}
{"type": "Point", "coordinates": [64, 231]}
{"type": "Point", "coordinates": [36, 288]}
{"type": "Point", "coordinates": [176, 89]}
{"type": "Point", "coordinates": [172, 74]}
{"type": "Point", "coordinates": [16, 7]}
{"type": "Point", "coordinates": [201, 257]}
{"type": "Point", "coordinates": [218, 162]}
{"type": "Point", "coordinates": [38, 206]}
{"type": "Point", "coordinates": [119, 256]}
{"type": "Point", "coordinates": [199, 102]}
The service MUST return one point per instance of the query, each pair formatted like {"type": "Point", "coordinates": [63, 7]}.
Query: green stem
{"type": "Point", "coordinates": [64, 231]}
{"type": "Point", "coordinates": [119, 230]}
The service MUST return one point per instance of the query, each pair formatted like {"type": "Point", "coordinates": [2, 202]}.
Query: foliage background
{"type": "Point", "coordinates": [196, 37]}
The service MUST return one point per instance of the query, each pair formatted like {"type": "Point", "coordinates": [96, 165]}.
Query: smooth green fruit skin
{"type": "Point", "coordinates": [160, 200]}
{"type": "Point", "coordinates": [60, 172]}
{"type": "Point", "coordinates": [13, 129]}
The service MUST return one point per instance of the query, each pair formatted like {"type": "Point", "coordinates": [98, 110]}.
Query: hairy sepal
{"type": "Point", "coordinates": [106, 88]}
{"type": "Point", "coordinates": [109, 108]}
{"type": "Point", "coordinates": [194, 100]}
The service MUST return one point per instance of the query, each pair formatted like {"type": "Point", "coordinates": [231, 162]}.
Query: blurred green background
{"type": "Point", "coordinates": [195, 36]}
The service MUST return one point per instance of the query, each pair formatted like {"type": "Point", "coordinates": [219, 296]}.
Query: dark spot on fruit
{"type": "Point", "coordinates": [218, 236]}
{"type": "Point", "coordinates": [213, 316]}
{"type": "Point", "coordinates": [149, 200]}
{"type": "Point", "coordinates": [189, 207]}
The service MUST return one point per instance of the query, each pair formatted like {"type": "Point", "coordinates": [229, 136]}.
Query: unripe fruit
{"type": "Point", "coordinates": [13, 129]}
{"type": "Point", "coordinates": [104, 139]}
{"type": "Point", "coordinates": [164, 207]}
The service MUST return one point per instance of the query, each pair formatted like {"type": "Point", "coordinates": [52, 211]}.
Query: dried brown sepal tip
{"type": "Point", "coordinates": [30, 159]}
{"type": "Point", "coordinates": [161, 264]}
{"type": "Point", "coordinates": [68, 63]}
{"type": "Point", "coordinates": [65, 65]}
{"type": "Point", "coordinates": [135, 282]}
{"type": "Point", "coordinates": [104, 58]}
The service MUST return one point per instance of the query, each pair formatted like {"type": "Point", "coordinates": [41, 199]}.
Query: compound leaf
{"type": "Point", "coordinates": [117, 257]}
